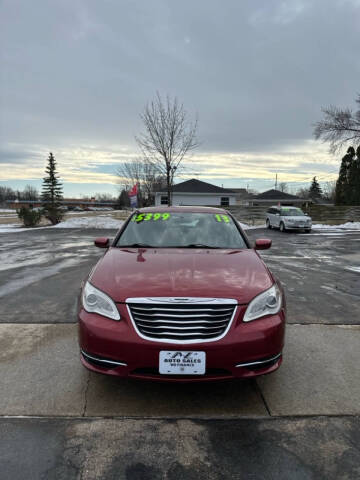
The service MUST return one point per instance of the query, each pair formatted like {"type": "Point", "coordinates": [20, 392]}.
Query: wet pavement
{"type": "Point", "coordinates": [301, 422]}
{"type": "Point", "coordinates": [321, 448]}
{"type": "Point", "coordinates": [320, 273]}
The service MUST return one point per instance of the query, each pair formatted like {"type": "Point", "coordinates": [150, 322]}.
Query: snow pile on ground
{"type": "Point", "coordinates": [344, 226]}
{"type": "Point", "coordinates": [15, 228]}
{"type": "Point", "coordinates": [9, 227]}
{"type": "Point", "coordinates": [245, 226]}
{"type": "Point", "coordinates": [101, 221]}
{"type": "Point", "coordinates": [353, 269]}
{"type": "Point", "coordinates": [80, 222]}
{"type": "Point", "coordinates": [7, 210]}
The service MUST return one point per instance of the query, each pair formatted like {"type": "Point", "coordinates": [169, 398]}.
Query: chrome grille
{"type": "Point", "coordinates": [182, 322]}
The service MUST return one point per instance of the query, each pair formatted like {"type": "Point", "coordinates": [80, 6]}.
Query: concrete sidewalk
{"type": "Point", "coordinates": [40, 374]}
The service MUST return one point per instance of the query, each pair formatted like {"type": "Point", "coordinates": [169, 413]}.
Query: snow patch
{"type": "Point", "coordinates": [343, 226]}
{"type": "Point", "coordinates": [245, 226]}
{"type": "Point", "coordinates": [101, 221]}
{"type": "Point", "coordinates": [14, 228]}
{"type": "Point", "coordinates": [353, 269]}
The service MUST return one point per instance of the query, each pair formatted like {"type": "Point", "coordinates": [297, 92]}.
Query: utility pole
{"type": "Point", "coordinates": [276, 182]}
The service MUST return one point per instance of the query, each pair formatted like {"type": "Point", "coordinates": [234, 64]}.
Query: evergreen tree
{"type": "Point", "coordinates": [123, 200]}
{"type": "Point", "coordinates": [343, 195]}
{"type": "Point", "coordinates": [315, 190]}
{"type": "Point", "coordinates": [354, 180]}
{"type": "Point", "coordinates": [51, 193]}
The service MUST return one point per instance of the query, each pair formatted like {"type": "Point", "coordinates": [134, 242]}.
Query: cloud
{"type": "Point", "coordinates": [77, 74]}
{"type": "Point", "coordinates": [94, 165]}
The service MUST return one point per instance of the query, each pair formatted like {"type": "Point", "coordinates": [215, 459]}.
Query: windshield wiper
{"type": "Point", "coordinates": [196, 245]}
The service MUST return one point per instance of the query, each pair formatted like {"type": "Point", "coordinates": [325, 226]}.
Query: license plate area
{"type": "Point", "coordinates": [182, 363]}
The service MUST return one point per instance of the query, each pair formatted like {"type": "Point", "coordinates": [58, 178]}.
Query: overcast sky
{"type": "Point", "coordinates": [75, 75]}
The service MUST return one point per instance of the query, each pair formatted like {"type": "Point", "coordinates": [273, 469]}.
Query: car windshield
{"type": "Point", "coordinates": [292, 212]}
{"type": "Point", "coordinates": [181, 229]}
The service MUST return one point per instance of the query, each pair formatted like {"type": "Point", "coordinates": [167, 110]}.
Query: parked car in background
{"type": "Point", "coordinates": [181, 295]}
{"type": "Point", "coordinates": [288, 218]}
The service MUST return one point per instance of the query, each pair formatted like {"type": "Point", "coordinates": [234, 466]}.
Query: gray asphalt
{"type": "Point", "coordinates": [59, 421]}
{"type": "Point", "coordinates": [252, 449]}
{"type": "Point", "coordinates": [320, 272]}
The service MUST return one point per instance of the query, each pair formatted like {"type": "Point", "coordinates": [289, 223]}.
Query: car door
{"type": "Point", "coordinates": [270, 216]}
{"type": "Point", "coordinates": [276, 217]}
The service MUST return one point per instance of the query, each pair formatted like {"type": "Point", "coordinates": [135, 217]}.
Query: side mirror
{"type": "Point", "coordinates": [262, 244]}
{"type": "Point", "coordinates": [101, 242]}
{"type": "Point", "coordinates": [278, 214]}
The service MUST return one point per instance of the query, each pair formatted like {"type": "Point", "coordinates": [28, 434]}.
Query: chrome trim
{"type": "Point", "coordinates": [169, 315]}
{"type": "Point", "coordinates": [180, 334]}
{"type": "Point", "coordinates": [101, 360]}
{"type": "Point", "coordinates": [215, 327]}
{"type": "Point", "coordinates": [177, 321]}
{"type": "Point", "coordinates": [249, 364]}
{"type": "Point", "coordinates": [181, 301]}
{"type": "Point", "coordinates": [185, 309]}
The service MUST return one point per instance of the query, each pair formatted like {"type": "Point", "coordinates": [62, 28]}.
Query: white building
{"type": "Point", "coordinates": [196, 192]}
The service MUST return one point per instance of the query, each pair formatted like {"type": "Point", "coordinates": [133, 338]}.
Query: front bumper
{"type": "Point", "coordinates": [289, 226]}
{"type": "Point", "coordinates": [114, 348]}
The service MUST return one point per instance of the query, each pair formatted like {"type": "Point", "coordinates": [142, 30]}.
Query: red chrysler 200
{"type": "Point", "coordinates": [181, 295]}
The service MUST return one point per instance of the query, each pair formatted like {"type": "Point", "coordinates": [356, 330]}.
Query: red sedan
{"type": "Point", "coordinates": [181, 295]}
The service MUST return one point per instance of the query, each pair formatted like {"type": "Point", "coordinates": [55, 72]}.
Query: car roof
{"type": "Point", "coordinates": [190, 209]}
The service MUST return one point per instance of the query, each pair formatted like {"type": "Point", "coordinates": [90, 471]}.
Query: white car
{"type": "Point", "coordinates": [288, 218]}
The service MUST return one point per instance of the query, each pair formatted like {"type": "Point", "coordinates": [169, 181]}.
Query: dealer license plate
{"type": "Point", "coordinates": [182, 363]}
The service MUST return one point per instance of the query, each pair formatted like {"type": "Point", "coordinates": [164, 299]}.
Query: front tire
{"type": "Point", "coordinates": [282, 227]}
{"type": "Point", "coordinates": [268, 224]}
{"type": "Point", "coordinates": [308, 230]}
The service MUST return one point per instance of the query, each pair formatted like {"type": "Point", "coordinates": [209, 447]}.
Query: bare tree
{"type": "Point", "coordinates": [30, 193]}
{"type": "Point", "coordinates": [328, 189]}
{"type": "Point", "coordinates": [130, 173]}
{"type": "Point", "coordinates": [6, 193]}
{"type": "Point", "coordinates": [303, 192]}
{"type": "Point", "coordinates": [283, 187]}
{"type": "Point", "coordinates": [104, 197]}
{"type": "Point", "coordinates": [338, 127]}
{"type": "Point", "coordinates": [143, 173]}
{"type": "Point", "coordinates": [169, 135]}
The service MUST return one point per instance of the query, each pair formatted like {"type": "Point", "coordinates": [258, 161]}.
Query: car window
{"type": "Point", "coordinates": [181, 229]}
{"type": "Point", "coordinates": [292, 212]}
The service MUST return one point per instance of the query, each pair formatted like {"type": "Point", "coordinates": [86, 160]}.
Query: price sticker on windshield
{"type": "Point", "coordinates": [145, 217]}
{"type": "Point", "coordinates": [222, 218]}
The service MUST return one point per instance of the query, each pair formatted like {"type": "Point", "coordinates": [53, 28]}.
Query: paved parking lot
{"type": "Point", "coordinates": [301, 422]}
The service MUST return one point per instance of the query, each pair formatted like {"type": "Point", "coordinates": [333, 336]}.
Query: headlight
{"type": "Point", "coordinates": [267, 303]}
{"type": "Point", "coordinates": [289, 220]}
{"type": "Point", "coordinates": [98, 302]}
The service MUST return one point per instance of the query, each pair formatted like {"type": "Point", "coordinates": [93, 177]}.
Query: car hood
{"type": "Point", "coordinates": [138, 272]}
